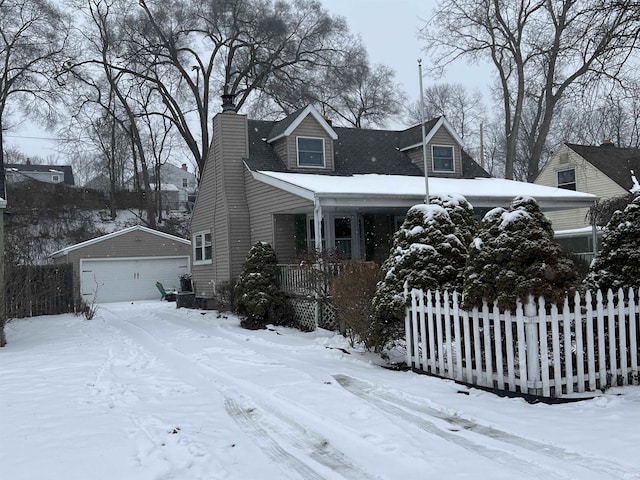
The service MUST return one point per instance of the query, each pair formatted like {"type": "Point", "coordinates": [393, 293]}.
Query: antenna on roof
{"type": "Point", "coordinates": [424, 136]}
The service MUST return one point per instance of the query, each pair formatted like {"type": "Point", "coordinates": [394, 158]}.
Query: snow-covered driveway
{"type": "Point", "coordinates": [145, 391]}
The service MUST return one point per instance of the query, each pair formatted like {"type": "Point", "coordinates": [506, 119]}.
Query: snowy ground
{"type": "Point", "coordinates": [145, 391]}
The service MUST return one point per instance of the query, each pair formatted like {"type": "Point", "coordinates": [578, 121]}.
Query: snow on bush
{"type": "Point", "coordinates": [461, 213]}
{"type": "Point", "coordinates": [256, 294]}
{"type": "Point", "coordinates": [514, 256]}
{"type": "Point", "coordinates": [618, 264]}
{"type": "Point", "coordinates": [427, 253]}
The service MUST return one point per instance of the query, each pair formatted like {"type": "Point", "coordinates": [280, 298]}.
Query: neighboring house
{"type": "Point", "coordinates": [17, 172]}
{"type": "Point", "coordinates": [301, 183]}
{"type": "Point", "coordinates": [185, 182]}
{"type": "Point", "coordinates": [125, 265]}
{"type": "Point", "coordinates": [605, 171]}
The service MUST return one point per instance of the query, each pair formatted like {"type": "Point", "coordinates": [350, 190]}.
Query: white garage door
{"type": "Point", "coordinates": [119, 280]}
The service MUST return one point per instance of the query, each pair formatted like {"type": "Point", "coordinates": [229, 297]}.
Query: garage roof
{"type": "Point", "coordinates": [109, 236]}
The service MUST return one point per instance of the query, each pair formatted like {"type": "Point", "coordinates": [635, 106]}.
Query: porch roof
{"type": "Point", "coordinates": [374, 190]}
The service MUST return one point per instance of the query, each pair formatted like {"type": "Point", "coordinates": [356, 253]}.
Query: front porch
{"type": "Point", "coordinates": [345, 235]}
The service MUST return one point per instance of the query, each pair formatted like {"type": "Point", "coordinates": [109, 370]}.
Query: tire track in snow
{"type": "Point", "coordinates": [250, 422]}
{"type": "Point", "coordinates": [397, 406]}
{"type": "Point", "coordinates": [306, 440]}
{"type": "Point", "coordinates": [253, 419]}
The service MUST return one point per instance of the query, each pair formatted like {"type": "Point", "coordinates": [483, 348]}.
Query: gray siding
{"type": "Point", "coordinates": [202, 220]}
{"type": "Point", "coordinates": [441, 137]}
{"type": "Point", "coordinates": [280, 147]}
{"type": "Point", "coordinates": [309, 127]}
{"type": "Point", "coordinates": [222, 206]}
{"type": "Point", "coordinates": [264, 202]}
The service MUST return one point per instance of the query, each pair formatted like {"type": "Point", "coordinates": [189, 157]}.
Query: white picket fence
{"type": "Point", "coordinates": [540, 349]}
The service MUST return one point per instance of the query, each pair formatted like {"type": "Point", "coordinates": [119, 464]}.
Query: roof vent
{"type": "Point", "coordinates": [564, 157]}
{"type": "Point", "coordinates": [227, 103]}
{"type": "Point", "coordinates": [607, 143]}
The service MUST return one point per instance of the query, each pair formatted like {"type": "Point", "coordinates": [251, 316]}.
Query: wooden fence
{"type": "Point", "coordinates": [32, 290]}
{"type": "Point", "coordinates": [584, 345]}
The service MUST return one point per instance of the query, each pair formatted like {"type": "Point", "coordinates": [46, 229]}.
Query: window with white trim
{"type": "Point", "coordinates": [55, 178]}
{"type": "Point", "coordinates": [310, 152]}
{"type": "Point", "coordinates": [566, 179]}
{"type": "Point", "coordinates": [202, 248]}
{"type": "Point", "coordinates": [442, 158]}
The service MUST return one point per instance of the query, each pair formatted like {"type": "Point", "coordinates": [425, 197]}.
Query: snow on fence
{"type": "Point", "coordinates": [540, 349]}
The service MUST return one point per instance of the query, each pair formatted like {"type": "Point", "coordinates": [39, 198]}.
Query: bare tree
{"type": "Point", "coordinates": [33, 40]}
{"type": "Point", "coordinates": [462, 107]}
{"type": "Point", "coordinates": [186, 50]}
{"type": "Point", "coordinates": [612, 114]}
{"type": "Point", "coordinates": [367, 97]}
{"type": "Point", "coordinates": [33, 36]}
{"type": "Point", "coordinates": [540, 50]}
{"type": "Point", "coordinates": [348, 90]}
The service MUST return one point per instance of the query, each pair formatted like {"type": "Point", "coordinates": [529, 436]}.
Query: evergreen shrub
{"type": "Point", "coordinates": [618, 264]}
{"type": "Point", "coordinates": [257, 296]}
{"type": "Point", "coordinates": [426, 253]}
{"type": "Point", "coordinates": [514, 256]}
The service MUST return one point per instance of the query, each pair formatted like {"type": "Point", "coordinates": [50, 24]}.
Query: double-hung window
{"type": "Point", "coordinates": [566, 178]}
{"type": "Point", "coordinates": [202, 248]}
{"type": "Point", "coordinates": [442, 158]}
{"type": "Point", "coordinates": [310, 152]}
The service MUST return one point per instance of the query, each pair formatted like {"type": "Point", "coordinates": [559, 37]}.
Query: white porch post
{"type": "Point", "coordinates": [594, 236]}
{"type": "Point", "coordinates": [317, 224]}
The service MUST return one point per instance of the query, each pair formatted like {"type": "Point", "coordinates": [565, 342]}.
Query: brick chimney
{"type": "Point", "coordinates": [184, 167]}
{"type": "Point", "coordinates": [607, 143]}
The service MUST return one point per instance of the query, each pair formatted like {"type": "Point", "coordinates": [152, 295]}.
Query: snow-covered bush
{"type": "Point", "coordinates": [461, 213]}
{"type": "Point", "coordinates": [256, 294]}
{"type": "Point", "coordinates": [514, 256]}
{"type": "Point", "coordinates": [426, 253]}
{"type": "Point", "coordinates": [618, 264]}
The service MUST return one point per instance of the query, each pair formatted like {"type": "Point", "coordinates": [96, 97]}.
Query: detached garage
{"type": "Point", "coordinates": [126, 265]}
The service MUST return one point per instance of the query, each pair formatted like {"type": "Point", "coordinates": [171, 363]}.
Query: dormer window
{"type": "Point", "coordinates": [310, 152]}
{"type": "Point", "coordinates": [567, 179]}
{"type": "Point", "coordinates": [55, 178]}
{"type": "Point", "coordinates": [442, 156]}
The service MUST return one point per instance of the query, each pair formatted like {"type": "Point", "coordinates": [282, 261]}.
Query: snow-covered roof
{"type": "Point", "coordinates": [165, 187]}
{"type": "Point", "coordinates": [398, 190]}
{"type": "Point", "coordinates": [140, 228]}
{"type": "Point", "coordinates": [578, 232]}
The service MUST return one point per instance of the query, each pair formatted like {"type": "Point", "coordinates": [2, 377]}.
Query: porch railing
{"type": "Point", "coordinates": [308, 279]}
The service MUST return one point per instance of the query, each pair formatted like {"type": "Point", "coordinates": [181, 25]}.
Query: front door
{"type": "Point", "coordinates": [343, 229]}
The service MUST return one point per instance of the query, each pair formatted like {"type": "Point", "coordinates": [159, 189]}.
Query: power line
{"type": "Point", "coordinates": [34, 138]}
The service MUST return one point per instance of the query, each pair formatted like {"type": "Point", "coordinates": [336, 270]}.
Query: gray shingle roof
{"type": "Point", "coordinates": [356, 151]}
{"type": "Point", "coordinates": [279, 127]}
{"type": "Point", "coordinates": [413, 135]}
{"type": "Point", "coordinates": [66, 169]}
{"type": "Point", "coordinates": [615, 162]}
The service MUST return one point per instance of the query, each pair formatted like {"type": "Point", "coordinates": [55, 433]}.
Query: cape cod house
{"type": "Point", "coordinates": [301, 184]}
{"type": "Point", "coordinates": [605, 170]}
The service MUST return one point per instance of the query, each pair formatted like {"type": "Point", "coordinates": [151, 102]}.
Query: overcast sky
{"type": "Point", "coordinates": [389, 30]}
